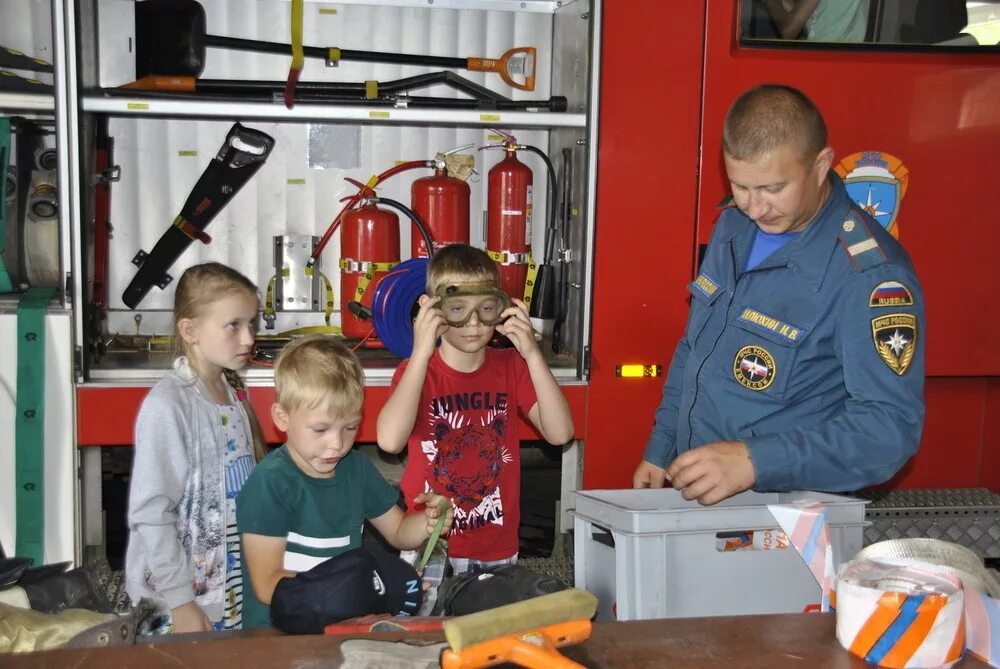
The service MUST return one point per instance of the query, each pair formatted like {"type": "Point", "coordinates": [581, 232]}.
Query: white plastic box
{"type": "Point", "coordinates": [651, 554]}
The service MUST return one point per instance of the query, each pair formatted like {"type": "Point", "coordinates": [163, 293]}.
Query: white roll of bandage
{"type": "Point", "coordinates": [900, 613]}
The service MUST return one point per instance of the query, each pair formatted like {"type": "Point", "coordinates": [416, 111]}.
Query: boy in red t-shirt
{"type": "Point", "coordinates": [454, 405]}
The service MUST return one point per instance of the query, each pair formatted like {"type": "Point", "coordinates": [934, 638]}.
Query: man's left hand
{"type": "Point", "coordinates": [712, 472]}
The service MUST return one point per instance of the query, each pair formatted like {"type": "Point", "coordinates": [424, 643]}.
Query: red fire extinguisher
{"type": "Point", "coordinates": [369, 249]}
{"type": "Point", "coordinates": [442, 203]}
{"type": "Point", "coordinates": [508, 217]}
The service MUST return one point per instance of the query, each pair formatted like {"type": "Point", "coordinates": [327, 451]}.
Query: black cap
{"type": "Point", "coordinates": [356, 583]}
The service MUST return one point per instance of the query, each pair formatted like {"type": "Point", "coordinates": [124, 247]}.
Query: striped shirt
{"type": "Point", "coordinates": [237, 466]}
{"type": "Point", "coordinates": [318, 518]}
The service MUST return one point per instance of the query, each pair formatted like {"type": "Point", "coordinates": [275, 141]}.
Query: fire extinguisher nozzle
{"type": "Point", "coordinates": [359, 310]}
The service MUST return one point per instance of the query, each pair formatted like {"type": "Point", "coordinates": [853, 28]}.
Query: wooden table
{"type": "Point", "coordinates": [770, 641]}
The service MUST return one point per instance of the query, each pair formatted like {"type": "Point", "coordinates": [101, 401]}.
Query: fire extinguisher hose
{"type": "Point", "coordinates": [394, 299]}
{"type": "Point", "coordinates": [551, 205]}
{"type": "Point", "coordinates": [412, 215]}
{"type": "Point", "coordinates": [375, 180]}
{"type": "Point", "coordinates": [544, 303]}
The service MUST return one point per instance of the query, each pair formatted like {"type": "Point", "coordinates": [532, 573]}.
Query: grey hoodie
{"type": "Point", "coordinates": [177, 499]}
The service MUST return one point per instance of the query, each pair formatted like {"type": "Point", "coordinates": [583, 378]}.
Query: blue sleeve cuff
{"type": "Point", "coordinates": [658, 451]}
{"type": "Point", "coordinates": [771, 462]}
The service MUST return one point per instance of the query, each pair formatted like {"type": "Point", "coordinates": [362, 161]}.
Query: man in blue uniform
{"type": "Point", "coordinates": [802, 364]}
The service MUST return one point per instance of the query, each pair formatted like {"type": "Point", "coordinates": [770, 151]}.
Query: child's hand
{"type": "Point", "coordinates": [190, 618]}
{"type": "Point", "coordinates": [432, 510]}
{"type": "Point", "coordinates": [518, 329]}
{"type": "Point", "coordinates": [429, 325]}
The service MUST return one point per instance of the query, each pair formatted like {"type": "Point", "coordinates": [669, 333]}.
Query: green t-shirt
{"type": "Point", "coordinates": [319, 518]}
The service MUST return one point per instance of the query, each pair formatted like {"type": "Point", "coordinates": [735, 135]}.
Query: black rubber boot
{"type": "Point", "coordinates": [74, 589]}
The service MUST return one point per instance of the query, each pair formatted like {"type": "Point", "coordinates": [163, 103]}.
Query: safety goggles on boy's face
{"type": "Point", "coordinates": [459, 301]}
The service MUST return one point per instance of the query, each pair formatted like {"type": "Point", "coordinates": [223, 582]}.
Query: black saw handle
{"type": "Point", "coordinates": [242, 154]}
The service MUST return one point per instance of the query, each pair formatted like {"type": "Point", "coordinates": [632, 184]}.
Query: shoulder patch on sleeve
{"type": "Point", "coordinates": [860, 245]}
{"type": "Point", "coordinates": [890, 294]}
{"type": "Point", "coordinates": [707, 286]}
{"type": "Point", "coordinates": [895, 337]}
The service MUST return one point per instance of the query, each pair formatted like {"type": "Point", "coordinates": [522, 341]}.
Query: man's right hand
{"type": "Point", "coordinates": [428, 326]}
{"type": "Point", "coordinates": [190, 618]}
{"type": "Point", "coordinates": [648, 475]}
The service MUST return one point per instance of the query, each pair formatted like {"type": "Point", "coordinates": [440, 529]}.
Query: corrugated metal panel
{"type": "Point", "coordinates": [287, 195]}
{"type": "Point", "coordinates": [26, 25]}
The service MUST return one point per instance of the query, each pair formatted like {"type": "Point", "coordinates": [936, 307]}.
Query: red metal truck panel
{"type": "Point", "coordinates": [106, 414]}
{"type": "Point", "coordinates": [937, 112]}
{"type": "Point", "coordinates": [644, 247]}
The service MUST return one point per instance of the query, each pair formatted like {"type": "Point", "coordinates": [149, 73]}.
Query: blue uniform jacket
{"type": "Point", "coordinates": [814, 359]}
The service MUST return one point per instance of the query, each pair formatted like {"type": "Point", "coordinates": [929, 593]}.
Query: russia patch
{"type": "Point", "coordinates": [890, 294]}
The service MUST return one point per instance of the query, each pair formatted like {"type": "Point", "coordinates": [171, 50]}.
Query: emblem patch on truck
{"type": "Point", "coordinates": [754, 367]}
{"type": "Point", "coordinates": [876, 182]}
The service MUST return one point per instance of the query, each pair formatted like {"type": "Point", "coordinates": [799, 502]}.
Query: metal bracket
{"type": "Point", "coordinates": [111, 175]}
{"type": "Point", "coordinates": [296, 288]}
{"type": "Point", "coordinates": [164, 281]}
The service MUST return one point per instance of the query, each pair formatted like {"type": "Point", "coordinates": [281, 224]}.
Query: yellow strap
{"type": "Point", "coordinates": [363, 282]}
{"type": "Point", "coordinates": [501, 256]}
{"type": "Point", "coordinates": [307, 330]}
{"type": "Point", "coordinates": [298, 55]}
{"type": "Point", "coordinates": [159, 343]}
{"type": "Point", "coordinates": [529, 281]}
{"type": "Point", "coordinates": [269, 298]}
{"type": "Point", "coordinates": [333, 55]}
{"type": "Point", "coordinates": [328, 309]}
{"type": "Point", "coordinates": [370, 269]}
{"type": "Point", "coordinates": [371, 90]}
{"type": "Point", "coordinates": [345, 265]}
{"type": "Point", "coordinates": [359, 293]}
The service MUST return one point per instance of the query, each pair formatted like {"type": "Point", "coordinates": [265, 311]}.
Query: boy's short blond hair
{"type": "Point", "coordinates": [460, 263]}
{"type": "Point", "coordinates": [318, 371]}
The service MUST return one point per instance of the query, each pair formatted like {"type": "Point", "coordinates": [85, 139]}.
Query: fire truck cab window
{"type": "Point", "coordinates": [913, 24]}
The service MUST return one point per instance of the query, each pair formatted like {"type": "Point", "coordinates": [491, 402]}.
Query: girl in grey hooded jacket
{"type": "Point", "coordinates": [196, 441]}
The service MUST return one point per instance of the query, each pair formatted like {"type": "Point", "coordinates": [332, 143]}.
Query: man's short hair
{"type": "Point", "coordinates": [460, 263]}
{"type": "Point", "coordinates": [318, 371]}
{"type": "Point", "coordinates": [770, 116]}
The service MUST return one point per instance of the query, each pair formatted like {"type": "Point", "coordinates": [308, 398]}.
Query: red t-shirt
{"type": "Point", "coordinates": [465, 445]}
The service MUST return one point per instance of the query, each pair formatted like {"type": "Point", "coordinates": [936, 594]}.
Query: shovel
{"type": "Point", "coordinates": [373, 92]}
{"type": "Point", "coordinates": [171, 39]}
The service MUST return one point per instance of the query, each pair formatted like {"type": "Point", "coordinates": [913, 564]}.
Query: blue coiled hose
{"type": "Point", "coordinates": [394, 298]}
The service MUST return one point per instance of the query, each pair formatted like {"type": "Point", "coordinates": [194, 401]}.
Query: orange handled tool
{"type": "Point", "coordinates": [171, 38]}
{"type": "Point", "coordinates": [535, 650]}
{"type": "Point", "coordinates": [516, 67]}
{"type": "Point", "coordinates": [527, 633]}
